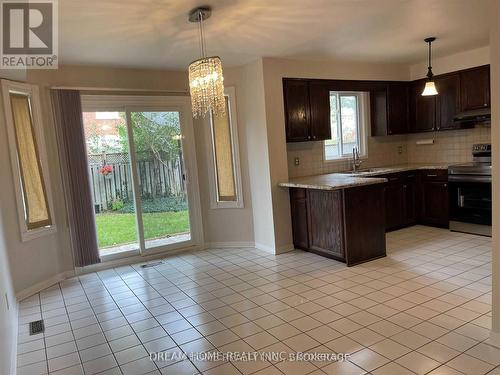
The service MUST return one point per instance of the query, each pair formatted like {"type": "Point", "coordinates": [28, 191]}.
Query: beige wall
{"type": "Point", "coordinates": [259, 148]}
{"type": "Point", "coordinates": [8, 304]}
{"type": "Point", "coordinates": [39, 260]}
{"type": "Point", "coordinates": [495, 132]}
{"type": "Point", "coordinates": [228, 226]}
{"type": "Point", "coordinates": [457, 61]}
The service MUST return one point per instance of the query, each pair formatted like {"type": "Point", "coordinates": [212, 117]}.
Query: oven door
{"type": "Point", "coordinates": [470, 200]}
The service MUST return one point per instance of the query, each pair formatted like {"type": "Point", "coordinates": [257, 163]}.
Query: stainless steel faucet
{"type": "Point", "coordinates": [356, 161]}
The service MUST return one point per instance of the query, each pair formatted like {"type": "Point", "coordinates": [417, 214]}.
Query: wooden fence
{"type": "Point", "coordinates": [156, 179]}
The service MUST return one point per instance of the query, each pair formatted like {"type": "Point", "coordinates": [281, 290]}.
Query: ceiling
{"type": "Point", "coordinates": [157, 34]}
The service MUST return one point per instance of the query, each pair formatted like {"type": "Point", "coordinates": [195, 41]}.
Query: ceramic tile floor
{"type": "Point", "coordinates": [423, 309]}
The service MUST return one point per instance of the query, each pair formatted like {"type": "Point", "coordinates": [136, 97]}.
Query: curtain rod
{"type": "Point", "coordinates": [117, 90]}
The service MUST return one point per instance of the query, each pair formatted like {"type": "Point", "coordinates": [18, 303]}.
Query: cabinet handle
{"type": "Point", "coordinates": [432, 175]}
{"type": "Point", "coordinates": [308, 137]}
{"type": "Point", "coordinates": [445, 185]}
{"type": "Point", "coordinates": [485, 104]}
{"type": "Point", "coordinates": [314, 137]}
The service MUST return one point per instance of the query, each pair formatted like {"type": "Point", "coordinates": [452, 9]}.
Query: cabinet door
{"type": "Point", "coordinates": [423, 111]}
{"type": "Point", "coordinates": [434, 202]}
{"type": "Point", "coordinates": [394, 197]}
{"type": "Point", "coordinates": [297, 110]}
{"type": "Point", "coordinates": [448, 101]}
{"type": "Point", "coordinates": [397, 108]}
{"type": "Point", "coordinates": [378, 112]}
{"type": "Point", "coordinates": [326, 222]}
{"type": "Point", "coordinates": [475, 88]}
{"type": "Point", "coordinates": [409, 200]}
{"type": "Point", "coordinates": [319, 97]}
{"type": "Point", "coordinates": [298, 203]}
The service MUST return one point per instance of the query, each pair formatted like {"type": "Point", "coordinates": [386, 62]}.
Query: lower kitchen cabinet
{"type": "Point", "coordinates": [325, 222]}
{"type": "Point", "coordinates": [400, 194]}
{"type": "Point", "coordinates": [433, 198]}
{"type": "Point", "coordinates": [347, 225]}
{"type": "Point", "coordinates": [298, 205]}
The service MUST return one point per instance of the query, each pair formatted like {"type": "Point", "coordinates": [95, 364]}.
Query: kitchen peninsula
{"type": "Point", "coordinates": [339, 216]}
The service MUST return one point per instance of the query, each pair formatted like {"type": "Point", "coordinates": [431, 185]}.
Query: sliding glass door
{"type": "Point", "coordinates": [142, 170]}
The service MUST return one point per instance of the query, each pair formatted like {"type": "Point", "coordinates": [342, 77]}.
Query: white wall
{"type": "Point", "coordinates": [495, 140]}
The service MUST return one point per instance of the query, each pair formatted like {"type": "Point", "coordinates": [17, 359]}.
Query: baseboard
{"type": "Point", "coordinates": [38, 287]}
{"type": "Point", "coordinates": [133, 260]}
{"type": "Point", "coordinates": [229, 244]}
{"type": "Point", "coordinates": [285, 249]}
{"type": "Point", "coordinates": [494, 339]}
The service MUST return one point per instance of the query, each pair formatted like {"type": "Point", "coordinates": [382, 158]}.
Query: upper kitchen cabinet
{"type": "Point", "coordinates": [390, 109]}
{"type": "Point", "coordinates": [422, 109]}
{"type": "Point", "coordinates": [307, 110]}
{"type": "Point", "coordinates": [447, 101]}
{"type": "Point", "coordinates": [475, 88]}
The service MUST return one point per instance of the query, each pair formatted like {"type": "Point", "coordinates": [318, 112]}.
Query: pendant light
{"type": "Point", "coordinates": [206, 82]}
{"type": "Point", "coordinates": [430, 87]}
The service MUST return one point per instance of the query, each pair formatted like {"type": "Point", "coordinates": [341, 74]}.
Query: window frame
{"type": "Point", "coordinates": [212, 175]}
{"type": "Point", "coordinates": [33, 93]}
{"type": "Point", "coordinates": [363, 120]}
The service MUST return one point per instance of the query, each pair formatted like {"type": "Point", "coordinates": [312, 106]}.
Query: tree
{"type": "Point", "coordinates": [155, 134]}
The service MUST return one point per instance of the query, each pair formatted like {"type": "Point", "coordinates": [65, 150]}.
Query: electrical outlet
{"type": "Point", "coordinates": [400, 150]}
{"type": "Point", "coordinates": [297, 161]}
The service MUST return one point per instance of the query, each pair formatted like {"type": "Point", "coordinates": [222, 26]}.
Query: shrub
{"type": "Point", "coordinates": [117, 204]}
{"type": "Point", "coordinates": [163, 204]}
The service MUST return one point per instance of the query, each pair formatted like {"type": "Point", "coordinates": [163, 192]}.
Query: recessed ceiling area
{"type": "Point", "coordinates": [157, 34]}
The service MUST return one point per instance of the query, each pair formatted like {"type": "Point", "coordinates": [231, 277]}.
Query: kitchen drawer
{"type": "Point", "coordinates": [439, 175]}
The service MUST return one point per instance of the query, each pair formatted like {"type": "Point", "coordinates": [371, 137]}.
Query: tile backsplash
{"type": "Point", "coordinates": [452, 146]}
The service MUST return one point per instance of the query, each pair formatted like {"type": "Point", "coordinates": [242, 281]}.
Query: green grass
{"type": "Point", "coordinates": [118, 229]}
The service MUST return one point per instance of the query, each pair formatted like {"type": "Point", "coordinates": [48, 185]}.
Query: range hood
{"type": "Point", "coordinates": [477, 116]}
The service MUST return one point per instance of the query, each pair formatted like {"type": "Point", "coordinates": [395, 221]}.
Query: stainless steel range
{"type": "Point", "coordinates": [470, 193]}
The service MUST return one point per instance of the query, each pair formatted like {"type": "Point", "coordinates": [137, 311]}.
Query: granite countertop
{"type": "Point", "coordinates": [332, 181]}
{"type": "Point", "coordinates": [367, 172]}
{"type": "Point", "coordinates": [344, 180]}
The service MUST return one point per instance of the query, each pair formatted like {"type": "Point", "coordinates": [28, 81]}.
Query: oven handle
{"type": "Point", "coordinates": [469, 178]}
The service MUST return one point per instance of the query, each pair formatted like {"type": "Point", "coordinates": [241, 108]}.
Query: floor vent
{"type": "Point", "coordinates": [149, 265]}
{"type": "Point", "coordinates": [37, 327]}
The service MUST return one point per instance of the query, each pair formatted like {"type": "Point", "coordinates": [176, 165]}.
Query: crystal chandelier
{"type": "Point", "coordinates": [206, 82]}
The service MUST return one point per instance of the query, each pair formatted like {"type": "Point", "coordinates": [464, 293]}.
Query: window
{"type": "Point", "coordinates": [224, 158]}
{"type": "Point", "coordinates": [347, 118]}
{"type": "Point", "coordinates": [27, 154]}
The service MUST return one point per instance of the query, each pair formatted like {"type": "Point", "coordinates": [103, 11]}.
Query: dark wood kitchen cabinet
{"type": "Point", "coordinates": [307, 110]}
{"type": "Point", "coordinates": [347, 225]}
{"type": "Point", "coordinates": [390, 109]}
{"type": "Point", "coordinates": [400, 194]}
{"type": "Point", "coordinates": [475, 88]}
{"type": "Point", "coordinates": [409, 216]}
{"type": "Point", "coordinates": [298, 205]}
{"type": "Point", "coordinates": [433, 198]}
{"type": "Point", "coordinates": [422, 109]}
{"type": "Point", "coordinates": [325, 222]}
{"type": "Point", "coordinates": [447, 101]}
